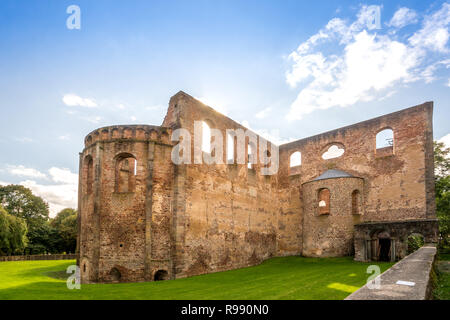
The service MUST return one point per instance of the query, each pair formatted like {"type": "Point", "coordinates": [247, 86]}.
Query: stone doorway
{"type": "Point", "coordinates": [384, 246]}
{"type": "Point", "coordinates": [161, 275]}
{"type": "Point", "coordinates": [115, 275]}
{"type": "Point", "coordinates": [384, 249]}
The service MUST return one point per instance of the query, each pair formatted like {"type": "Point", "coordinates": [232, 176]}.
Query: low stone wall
{"type": "Point", "coordinates": [39, 257]}
{"type": "Point", "coordinates": [415, 270]}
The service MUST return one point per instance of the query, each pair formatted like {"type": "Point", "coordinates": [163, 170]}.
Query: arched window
{"type": "Point", "coordinates": [161, 275]}
{"type": "Point", "coordinates": [230, 148]}
{"type": "Point", "coordinates": [356, 202]}
{"type": "Point", "coordinates": [385, 142]}
{"type": "Point", "coordinates": [206, 137]}
{"type": "Point", "coordinates": [324, 201]}
{"type": "Point", "coordinates": [126, 171]}
{"type": "Point", "coordinates": [115, 275]}
{"type": "Point", "coordinates": [295, 159]}
{"type": "Point", "coordinates": [89, 174]}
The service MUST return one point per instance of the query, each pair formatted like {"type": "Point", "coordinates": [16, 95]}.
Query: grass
{"type": "Point", "coordinates": [277, 278]}
{"type": "Point", "coordinates": [442, 290]}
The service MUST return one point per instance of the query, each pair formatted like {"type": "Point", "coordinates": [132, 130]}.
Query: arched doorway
{"type": "Point", "coordinates": [161, 275]}
{"type": "Point", "coordinates": [384, 246]}
{"type": "Point", "coordinates": [115, 275]}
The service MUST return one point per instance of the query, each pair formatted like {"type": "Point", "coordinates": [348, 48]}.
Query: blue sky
{"type": "Point", "coordinates": [286, 69]}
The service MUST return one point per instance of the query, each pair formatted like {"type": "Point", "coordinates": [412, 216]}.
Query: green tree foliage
{"type": "Point", "coordinates": [4, 232]}
{"type": "Point", "coordinates": [13, 231]}
{"type": "Point", "coordinates": [20, 202]}
{"type": "Point", "coordinates": [442, 177]}
{"type": "Point", "coordinates": [414, 243]}
{"type": "Point", "coordinates": [65, 228]}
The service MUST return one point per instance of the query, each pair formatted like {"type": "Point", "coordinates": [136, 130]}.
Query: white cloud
{"type": "Point", "coordinates": [365, 65]}
{"type": "Point", "coordinates": [133, 118]}
{"type": "Point", "coordinates": [263, 113]}
{"type": "Point", "coordinates": [403, 17]}
{"type": "Point", "coordinates": [446, 140]}
{"type": "Point", "coordinates": [59, 191]}
{"type": "Point", "coordinates": [434, 33]}
{"type": "Point", "coordinates": [25, 172]}
{"type": "Point", "coordinates": [58, 196]}
{"type": "Point", "coordinates": [3, 183]}
{"type": "Point", "coordinates": [73, 100]}
{"type": "Point", "coordinates": [63, 175]}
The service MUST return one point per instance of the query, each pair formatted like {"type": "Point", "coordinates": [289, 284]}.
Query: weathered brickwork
{"type": "Point", "coordinates": [143, 218]}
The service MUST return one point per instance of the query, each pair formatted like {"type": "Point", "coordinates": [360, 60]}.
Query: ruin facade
{"type": "Point", "coordinates": [143, 218]}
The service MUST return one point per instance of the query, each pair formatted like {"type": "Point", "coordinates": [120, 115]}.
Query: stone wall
{"type": "Point", "coordinates": [171, 221]}
{"type": "Point", "coordinates": [415, 269]}
{"type": "Point", "coordinates": [398, 185]}
{"type": "Point", "coordinates": [226, 214]}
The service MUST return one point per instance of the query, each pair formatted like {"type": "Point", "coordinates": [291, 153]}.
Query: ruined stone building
{"type": "Point", "coordinates": [143, 217]}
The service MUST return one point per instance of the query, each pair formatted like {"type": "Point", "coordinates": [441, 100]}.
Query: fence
{"type": "Point", "coordinates": [39, 257]}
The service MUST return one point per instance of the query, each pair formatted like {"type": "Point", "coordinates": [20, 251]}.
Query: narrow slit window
{"type": "Point", "coordinates": [206, 137]}
{"type": "Point", "coordinates": [230, 148]}
{"type": "Point", "coordinates": [89, 174]}
{"type": "Point", "coordinates": [251, 153]}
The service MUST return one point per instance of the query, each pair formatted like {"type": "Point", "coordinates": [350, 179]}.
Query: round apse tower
{"type": "Point", "coordinates": [333, 203]}
{"type": "Point", "coordinates": [122, 171]}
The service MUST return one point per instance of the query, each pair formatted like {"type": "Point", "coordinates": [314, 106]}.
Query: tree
{"type": "Point", "coordinates": [442, 180]}
{"type": "Point", "coordinates": [65, 226]}
{"type": "Point", "coordinates": [13, 231]}
{"type": "Point", "coordinates": [18, 239]}
{"type": "Point", "coordinates": [21, 203]}
{"type": "Point", "coordinates": [441, 160]}
{"type": "Point", "coordinates": [4, 232]}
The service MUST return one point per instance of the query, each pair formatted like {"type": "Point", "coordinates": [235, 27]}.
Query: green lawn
{"type": "Point", "coordinates": [277, 278]}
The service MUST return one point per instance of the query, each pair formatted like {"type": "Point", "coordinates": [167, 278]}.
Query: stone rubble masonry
{"type": "Point", "coordinates": [191, 219]}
